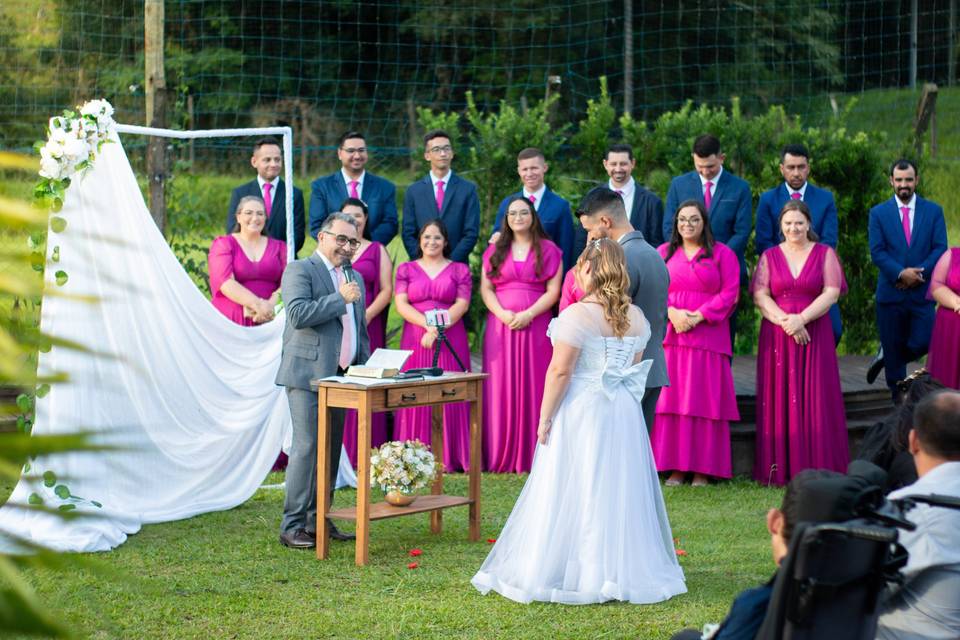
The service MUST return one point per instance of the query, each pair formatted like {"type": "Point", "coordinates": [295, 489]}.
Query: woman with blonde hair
{"type": "Point", "coordinates": [590, 524]}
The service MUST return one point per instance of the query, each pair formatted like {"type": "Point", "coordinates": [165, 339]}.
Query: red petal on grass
{"type": "Point", "coordinates": [491, 540]}
{"type": "Point", "coordinates": [415, 552]}
{"type": "Point", "coordinates": [680, 552]}
{"type": "Point", "coordinates": [413, 565]}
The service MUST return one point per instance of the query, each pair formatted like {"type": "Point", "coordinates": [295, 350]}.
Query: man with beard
{"type": "Point", "coordinates": [907, 236]}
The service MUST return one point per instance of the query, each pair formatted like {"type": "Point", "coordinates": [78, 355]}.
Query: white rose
{"type": "Point", "coordinates": [50, 168]}
{"type": "Point", "coordinates": [76, 149]}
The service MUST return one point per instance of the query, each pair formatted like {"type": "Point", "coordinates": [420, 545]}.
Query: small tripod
{"type": "Point", "coordinates": [436, 370]}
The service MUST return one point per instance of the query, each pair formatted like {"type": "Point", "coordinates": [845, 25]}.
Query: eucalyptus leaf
{"type": "Point", "coordinates": [43, 390]}
{"type": "Point", "coordinates": [96, 504]}
{"type": "Point", "coordinates": [62, 491]}
{"type": "Point", "coordinates": [61, 277]}
{"type": "Point", "coordinates": [24, 403]}
{"type": "Point", "coordinates": [35, 499]}
{"type": "Point", "coordinates": [58, 224]}
{"type": "Point", "coordinates": [49, 478]}
{"type": "Point", "coordinates": [67, 507]}
{"type": "Point", "coordinates": [55, 254]}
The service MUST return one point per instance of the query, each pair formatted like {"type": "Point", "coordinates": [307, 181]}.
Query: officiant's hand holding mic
{"type": "Point", "coordinates": [350, 290]}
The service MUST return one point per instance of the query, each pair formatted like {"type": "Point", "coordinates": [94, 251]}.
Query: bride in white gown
{"type": "Point", "coordinates": [590, 524]}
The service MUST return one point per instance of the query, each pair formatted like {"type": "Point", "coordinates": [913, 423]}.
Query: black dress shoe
{"type": "Point", "coordinates": [299, 539]}
{"type": "Point", "coordinates": [875, 367]}
{"type": "Point", "coordinates": [335, 534]}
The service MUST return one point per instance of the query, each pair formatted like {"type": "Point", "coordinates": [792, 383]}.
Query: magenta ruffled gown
{"type": "Point", "coordinates": [691, 431]}
{"type": "Point", "coordinates": [801, 422]}
{"type": "Point", "coordinates": [367, 265]}
{"type": "Point", "coordinates": [452, 284]}
{"type": "Point", "coordinates": [226, 259]}
{"type": "Point", "coordinates": [516, 361]}
{"type": "Point", "coordinates": [943, 361]}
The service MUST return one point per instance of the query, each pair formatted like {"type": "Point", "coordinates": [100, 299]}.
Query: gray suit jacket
{"type": "Point", "coordinates": [649, 281]}
{"type": "Point", "coordinates": [312, 335]}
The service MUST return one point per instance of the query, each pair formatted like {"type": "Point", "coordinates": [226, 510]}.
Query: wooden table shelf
{"type": "Point", "coordinates": [423, 504]}
{"type": "Point", "coordinates": [432, 392]}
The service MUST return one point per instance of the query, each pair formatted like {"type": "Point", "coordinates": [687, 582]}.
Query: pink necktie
{"type": "Point", "coordinates": [795, 195]}
{"type": "Point", "coordinates": [707, 196]}
{"type": "Point", "coordinates": [353, 189]}
{"type": "Point", "coordinates": [267, 199]}
{"type": "Point", "coordinates": [906, 223]}
{"type": "Point", "coordinates": [619, 192]}
{"type": "Point", "coordinates": [440, 196]}
{"type": "Point", "coordinates": [346, 342]}
{"type": "Point", "coordinates": [533, 199]}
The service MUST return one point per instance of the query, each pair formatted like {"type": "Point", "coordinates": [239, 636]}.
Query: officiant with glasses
{"type": "Point", "coordinates": [325, 332]}
{"type": "Point", "coordinates": [434, 281]}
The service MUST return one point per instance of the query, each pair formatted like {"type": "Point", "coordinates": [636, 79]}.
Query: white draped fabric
{"type": "Point", "coordinates": [188, 395]}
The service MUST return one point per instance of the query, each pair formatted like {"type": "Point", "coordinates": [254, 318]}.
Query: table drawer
{"type": "Point", "coordinates": [407, 397]}
{"type": "Point", "coordinates": [449, 392]}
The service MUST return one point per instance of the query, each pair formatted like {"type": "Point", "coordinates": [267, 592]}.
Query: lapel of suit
{"type": "Point", "coordinates": [449, 189]}
{"type": "Point", "coordinates": [721, 186]}
{"type": "Point", "coordinates": [340, 188]}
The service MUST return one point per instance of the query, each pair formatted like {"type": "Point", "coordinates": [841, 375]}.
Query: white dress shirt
{"type": "Point", "coordinates": [627, 192]}
{"type": "Point", "coordinates": [446, 182]}
{"type": "Point", "coordinates": [273, 190]}
{"type": "Point", "coordinates": [802, 190]}
{"type": "Point", "coordinates": [354, 342]}
{"type": "Point", "coordinates": [347, 180]}
{"type": "Point", "coordinates": [538, 194]}
{"type": "Point", "coordinates": [912, 205]}
{"type": "Point", "coordinates": [713, 184]}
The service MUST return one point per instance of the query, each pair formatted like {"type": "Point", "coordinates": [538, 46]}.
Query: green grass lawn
{"type": "Point", "coordinates": [225, 575]}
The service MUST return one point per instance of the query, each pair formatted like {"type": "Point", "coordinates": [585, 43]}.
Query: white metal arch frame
{"type": "Point", "coordinates": [285, 132]}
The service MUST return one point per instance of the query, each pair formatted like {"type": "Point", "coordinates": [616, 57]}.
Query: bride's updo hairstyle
{"type": "Point", "coordinates": [610, 281]}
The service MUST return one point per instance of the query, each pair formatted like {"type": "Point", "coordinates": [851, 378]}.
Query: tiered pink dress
{"type": "Point", "coordinates": [367, 265]}
{"type": "Point", "coordinates": [516, 361]}
{"type": "Point", "coordinates": [262, 277]}
{"type": "Point", "coordinates": [943, 363]}
{"type": "Point", "coordinates": [424, 293]}
{"type": "Point", "coordinates": [801, 423]}
{"type": "Point", "coordinates": [691, 431]}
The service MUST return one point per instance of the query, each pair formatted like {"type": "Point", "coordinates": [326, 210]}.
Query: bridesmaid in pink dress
{"type": "Point", "coordinates": [569, 291]}
{"type": "Point", "coordinates": [245, 267]}
{"type": "Point", "coordinates": [801, 423]}
{"type": "Point", "coordinates": [433, 281]}
{"type": "Point", "coordinates": [691, 432]}
{"type": "Point", "coordinates": [373, 265]}
{"type": "Point", "coordinates": [519, 283]}
{"type": "Point", "coordinates": [943, 363]}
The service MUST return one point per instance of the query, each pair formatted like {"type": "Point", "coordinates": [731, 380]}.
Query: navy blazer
{"type": "Point", "coordinates": [461, 215]}
{"type": "Point", "coordinates": [731, 210]}
{"type": "Point", "coordinates": [380, 195]}
{"type": "Point", "coordinates": [646, 216]}
{"type": "Point", "coordinates": [277, 222]}
{"type": "Point", "coordinates": [823, 211]}
{"type": "Point", "coordinates": [557, 221]}
{"type": "Point", "coordinates": [889, 250]}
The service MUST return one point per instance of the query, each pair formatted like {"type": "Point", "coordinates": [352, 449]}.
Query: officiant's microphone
{"type": "Point", "coordinates": [347, 267]}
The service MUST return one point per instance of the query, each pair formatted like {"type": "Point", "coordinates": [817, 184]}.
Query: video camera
{"type": "Point", "coordinates": [843, 554]}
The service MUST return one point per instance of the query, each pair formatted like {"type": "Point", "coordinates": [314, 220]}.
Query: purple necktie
{"type": "Point", "coordinates": [707, 196]}
{"type": "Point", "coordinates": [267, 199]}
{"type": "Point", "coordinates": [353, 189]}
{"type": "Point", "coordinates": [439, 196]}
{"type": "Point", "coordinates": [796, 195]}
{"type": "Point", "coordinates": [906, 223]}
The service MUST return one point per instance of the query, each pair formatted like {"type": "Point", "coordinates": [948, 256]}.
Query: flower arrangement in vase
{"type": "Point", "coordinates": [402, 467]}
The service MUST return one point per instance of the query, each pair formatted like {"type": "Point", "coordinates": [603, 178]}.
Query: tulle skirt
{"type": "Point", "coordinates": [590, 524]}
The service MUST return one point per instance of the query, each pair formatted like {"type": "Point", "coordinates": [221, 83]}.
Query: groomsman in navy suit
{"type": "Point", "coordinates": [644, 208]}
{"type": "Point", "coordinates": [442, 194]}
{"type": "Point", "coordinates": [726, 197]}
{"type": "Point", "coordinates": [553, 211]}
{"type": "Point", "coordinates": [795, 169]}
{"type": "Point", "coordinates": [907, 236]}
{"type": "Point", "coordinates": [354, 181]}
{"type": "Point", "coordinates": [267, 159]}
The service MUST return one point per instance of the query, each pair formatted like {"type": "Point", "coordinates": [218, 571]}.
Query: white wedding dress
{"type": "Point", "coordinates": [590, 524]}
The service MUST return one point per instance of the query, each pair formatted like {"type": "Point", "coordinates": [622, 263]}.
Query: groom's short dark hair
{"type": "Point", "coordinates": [603, 200]}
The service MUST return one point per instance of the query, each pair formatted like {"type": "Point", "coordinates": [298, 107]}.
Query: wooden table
{"type": "Point", "coordinates": [433, 392]}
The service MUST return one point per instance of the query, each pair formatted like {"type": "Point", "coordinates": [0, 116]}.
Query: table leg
{"type": "Point", "coordinates": [364, 422]}
{"type": "Point", "coordinates": [436, 444]}
{"type": "Point", "coordinates": [323, 474]}
{"type": "Point", "coordinates": [476, 448]}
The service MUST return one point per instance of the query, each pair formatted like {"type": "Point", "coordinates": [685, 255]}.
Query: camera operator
{"type": "Point", "coordinates": [928, 604]}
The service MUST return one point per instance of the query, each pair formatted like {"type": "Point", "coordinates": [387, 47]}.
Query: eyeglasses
{"type": "Point", "coordinates": [352, 150]}
{"type": "Point", "coordinates": [444, 149]}
{"type": "Point", "coordinates": [691, 221]}
{"type": "Point", "coordinates": [343, 240]}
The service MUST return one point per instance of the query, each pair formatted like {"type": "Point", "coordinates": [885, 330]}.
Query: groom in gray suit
{"type": "Point", "coordinates": [603, 215]}
{"type": "Point", "coordinates": [326, 331]}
